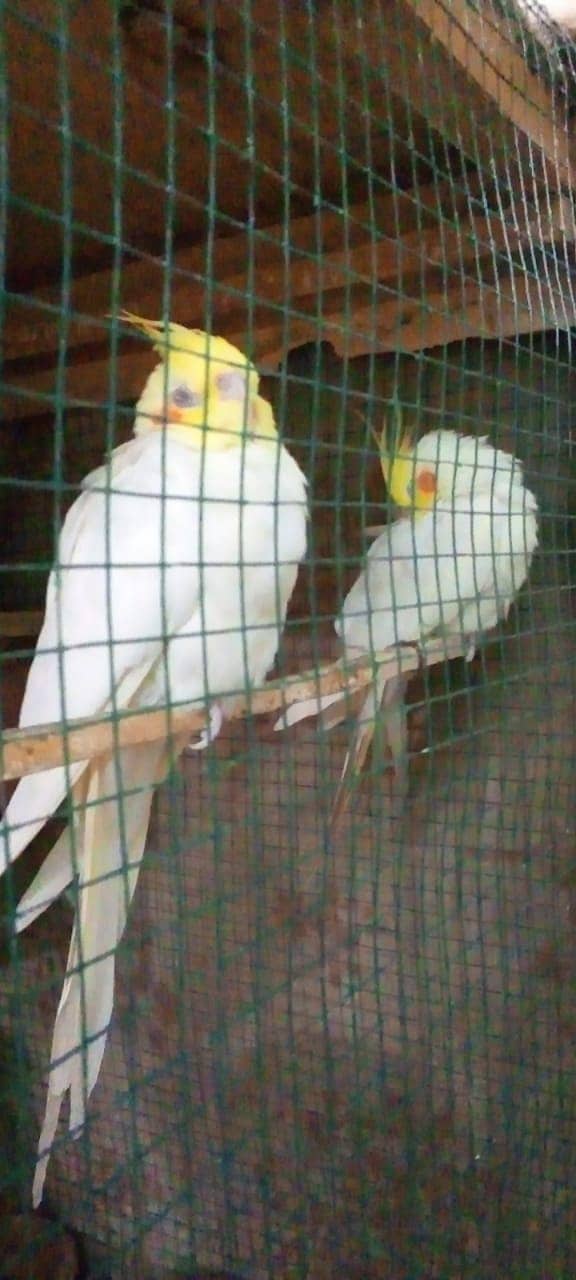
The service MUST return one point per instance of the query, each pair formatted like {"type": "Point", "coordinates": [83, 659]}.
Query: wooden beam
{"type": "Point", "coordinates": [425, 314]}
{"type": "Point", "coordinates": [322, 251]}
{"type": "Point", "coordinates": [24, 751]}
{"type": "Point", "coordinates": [516, 304]}
{"type": "Point", "coordinates": [370, 270]}
{"type": "Point", "coordinates": [455, 64]}
{"type": "Point", "coordinates": [477, 41]}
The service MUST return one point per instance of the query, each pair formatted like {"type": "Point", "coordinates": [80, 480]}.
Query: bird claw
{"type": "Point", "coordinates": [420, 648]}
{"type": "Point", "coordinates": [469, 645]}
{"type": "Point", "coordinates": [472, 647]}
{"type": "Point", "coordinates": [208, 735]}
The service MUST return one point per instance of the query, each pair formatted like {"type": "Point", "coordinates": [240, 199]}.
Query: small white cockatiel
{"type": "Point", "coordinates": [450, 568]}
{"type": "Point", "coordinates": [174, 571]}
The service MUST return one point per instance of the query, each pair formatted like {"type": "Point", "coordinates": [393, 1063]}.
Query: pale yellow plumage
{"type": "Point", "coordinates": [451, 567]}
{"type": "Point", "coordinates": [175, 567]}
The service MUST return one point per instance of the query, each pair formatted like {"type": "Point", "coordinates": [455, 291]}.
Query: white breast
{"type": "Point", "coordinates": [168, 547]}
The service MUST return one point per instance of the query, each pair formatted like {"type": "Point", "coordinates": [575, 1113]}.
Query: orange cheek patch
{"type": "Point", "coordinates": [426, 482]}
{"type": "Point", "coordinates": [160, 419]}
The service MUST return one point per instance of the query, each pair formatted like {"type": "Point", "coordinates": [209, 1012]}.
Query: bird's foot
{"type": "Point", "coordinates": [210, 733]}
{"type": "Point", "coordinates": [467, 642]}
{"type": "Point", "coordinates": [472, 645]}
{"type": "Point", "coordinates": [420, 647]}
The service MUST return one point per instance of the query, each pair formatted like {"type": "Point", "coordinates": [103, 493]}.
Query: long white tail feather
{"type": "Point", "coordinates": [395, 724]}
{"type": "Point", "coordinates": [63, 861]}
{"type": "Point", "coordinates": [35, 799]}
{"type": "Point", "coordinates": [114, 835]}
{"type": "Point", "coordinates": [384, 690]}
{"type": "Point", "coordinates": [52, 878]}
{"type": "Point", "coordinates": [47, 1136]}
{"type": "Point", "coordinates": [60, 865]}
{"type": "Point", "coordinates": [38, 795]}
{"type": "Point", "coordinates": [308, 707]}
{"type": "Point", "coordinates": [331, 717]}
{"type": "Point", "coordinates": [363, 731]}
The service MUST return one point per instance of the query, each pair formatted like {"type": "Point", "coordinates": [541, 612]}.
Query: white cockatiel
{"type": "Point", "coordinates": [450, 567]}
{"type": "Point", "coordinates": [174, 571]}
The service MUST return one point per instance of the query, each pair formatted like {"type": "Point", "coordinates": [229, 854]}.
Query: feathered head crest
{"type": "Point", "coordinates": [204, 387]}
{"type": "Point", "coordinates": [176, 340]}
{"type": "Point", "coordinates": [396, 440]}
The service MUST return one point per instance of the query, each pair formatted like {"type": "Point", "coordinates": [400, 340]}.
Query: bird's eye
{"type": "Point", "coordinates": [232, 384]}
{"type": "Point", "coordinates": [184, 398]}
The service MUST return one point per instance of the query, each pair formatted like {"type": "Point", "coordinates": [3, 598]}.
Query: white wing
{"type": "Point", "coordinates": [108, 605]}
{"type": "Point", "coordinates": [424, 575]}
{"type": "Point", "coordinates": [136, 566]}
{"type": "Point", "coordinates": [167, 587]}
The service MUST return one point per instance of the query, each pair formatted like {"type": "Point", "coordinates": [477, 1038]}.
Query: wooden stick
{"type": "Point", "coordinates": [516, 303]}
{"type": "Point", "coordinates": [24, 751]}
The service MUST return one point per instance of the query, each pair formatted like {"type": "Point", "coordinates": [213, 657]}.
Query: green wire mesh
{"type": "Point", "coordinates": [344, 1057]}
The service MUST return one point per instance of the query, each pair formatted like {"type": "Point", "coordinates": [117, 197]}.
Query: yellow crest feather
{"type": "Point", "coordinates": [224, 405]}
{"type": "Point", "coordinates": [396, 441]}
{"type": "Point", "coordinates": [177, 339]}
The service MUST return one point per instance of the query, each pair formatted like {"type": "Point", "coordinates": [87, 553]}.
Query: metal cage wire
{"type": "Point", "coordinates": [336, 1046]}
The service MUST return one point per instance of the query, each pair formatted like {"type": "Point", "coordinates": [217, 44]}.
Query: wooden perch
{"type": "Point", "coordinates": [24, 751]}
{"type": "Point", "coordinates": [451, 234]}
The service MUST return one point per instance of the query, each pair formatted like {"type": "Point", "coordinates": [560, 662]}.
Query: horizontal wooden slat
{"type": "Point", "coordinates": [308, 256]}
{"type": "Point", "coordinates": [24, 751]}
{"type": "Point", "coordinates": [415, 321]}
{"type": "Point", "coordinates": [327, 298]}
{"type": "Point", "coordinates": [259, 103]}
{"type": "Point", "coordinates": [387, 78]}
{"type": "Point", "coordinates": [305, 266]}
{"type": "Point", "coordinates": [456, 68]}
{"type": "Point", "coordinates": [513, 305]}
{"type": "Point", "coordinates": [455, 64]}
